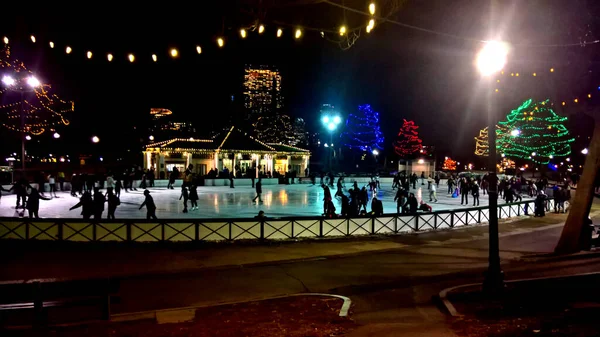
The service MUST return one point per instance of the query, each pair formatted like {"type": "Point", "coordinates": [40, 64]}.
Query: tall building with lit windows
{"type": "Point", "coordinates": [262, 92]}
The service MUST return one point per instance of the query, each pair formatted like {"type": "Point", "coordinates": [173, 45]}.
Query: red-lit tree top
{"type": "Point", "coordinates": [408, 141]}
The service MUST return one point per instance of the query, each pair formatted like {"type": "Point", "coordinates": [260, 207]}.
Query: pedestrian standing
{"type": "Point", "coordinates": [475, 193]}
{"type": "Point", "coordinates": [33, 205]}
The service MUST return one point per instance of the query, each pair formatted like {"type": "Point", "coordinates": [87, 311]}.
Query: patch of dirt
{"type": "Point", "coordinates": [293, 316]}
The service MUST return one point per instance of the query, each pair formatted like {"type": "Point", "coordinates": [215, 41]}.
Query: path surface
{"type": "Point", "coordinates": [225, 202]}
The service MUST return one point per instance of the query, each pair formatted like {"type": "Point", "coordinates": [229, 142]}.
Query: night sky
{"type": "Point", "coordinates": [402, 73]}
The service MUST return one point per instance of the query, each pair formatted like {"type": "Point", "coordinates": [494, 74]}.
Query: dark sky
{"type": "Point", "coordinates": [402, 73]}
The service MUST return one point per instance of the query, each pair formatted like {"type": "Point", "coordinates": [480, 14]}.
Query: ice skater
{"type": "Point", "coordinates": [113, 201]}
{"type": "Point", "coordinates": [185, 195]}
{"type": "Point", "coordinates": [258, 187]}
{"type": "Point", "coordinates": [194, 196]}
{"type": "Point", "coordinates": [33, 205]}
{"type": "Point", "coordinates": [99, 201]}
{"type": "Point", "coordinates": [150, 206]}
{"type": "Point", "coordinates": [87, 205]}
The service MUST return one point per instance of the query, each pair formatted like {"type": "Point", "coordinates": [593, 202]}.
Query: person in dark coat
{"type": "Point", "coordinates": [113, 201]}
{"type": "Point", "coordinates": [99, 201]}
{"type": "Point", "coordinates": [376, 206]}
{"type": "Point", "coordinates": [258, 187]}
{"type": "Point", "coordinates": [185, 195]}
{"type": "Point", "coordinates": [174, 175]}
{"type": "Point", "coordinates": [33, 205]}
{"type": "Point", "coordinates": [413, 204]}
{"type": "Point", "coordinates": [475, 193]}
{"type": "Point", "coordinates": [464, 191]}
{"type": "Point", "coordinates": [150, 206]}
{"type": "Point", "coordinates": [87, 205]}
{"type": "Point", "coordinates": [20, 187]}
{"type": "Point", "coordinates": [345, 201]}
{"type": "Point", "coordinates": [540, 204]}
{"type": "Point", "coordinates": [194, 196]}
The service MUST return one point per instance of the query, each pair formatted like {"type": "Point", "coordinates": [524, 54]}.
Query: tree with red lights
{"type": "Point", "coordinates": [408, 142]}
{"type": "Point", "coordinates": [449, 164]}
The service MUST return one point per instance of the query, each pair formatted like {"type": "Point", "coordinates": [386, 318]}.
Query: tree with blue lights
{"type": "Point", "coordinates": [362, 130]}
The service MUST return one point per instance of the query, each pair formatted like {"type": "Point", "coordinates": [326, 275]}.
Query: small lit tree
{"type": "Point", "coordinates": [362, 130]}
{"type": "Point", "coordinates": [408, 142]}
{"type": "Point", "coordinates": [449, 164]}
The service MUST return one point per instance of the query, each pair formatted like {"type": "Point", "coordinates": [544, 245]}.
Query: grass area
{"type": "Point", "coordinates": [292, 316]}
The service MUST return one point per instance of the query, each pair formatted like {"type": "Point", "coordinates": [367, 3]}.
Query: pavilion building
{"type": "Point", "coordinates": [228, 149]}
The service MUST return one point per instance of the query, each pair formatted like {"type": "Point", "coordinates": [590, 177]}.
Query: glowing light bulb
{"type": "Point", "coordinates": [95, 139]}
{"type": "Point", "coordinates": [109, 57]}
{"type": "Point", "coordinates": [220, 42]}
{"type": "Point", "coordinates": [243, 33]}
{"type": "Point", "coordinates": [342, 30]}
{"type": "Point", "coordinates": [199, 49]}
{"type": "Point", "coordinates": [32, 38]}
{"type": "Point", "coordinates": [28, 137]}
{"type": "Point", "coordinates": [261, 29]}
{"type": "Point", "coordinates": [298, 33]}
{"type": "Point", "coordinates": [372, 8]}
{"type": "Point", "coordinates": [280, 32]}
{"type": "Point", "coordinates": [51, 44]}
{"type": "Point", "coordinates": [68, 50]}
{"type": "Point", "coordinates": [131, 58]}
{"type": "Point", "coordinates": [154, 57]}
{"type": "Point", "coordinates": [5, 40]}
{"type": "Point", "coordinates": [174, 52]}
{"type": "Point", "coordinates": [89, 54]}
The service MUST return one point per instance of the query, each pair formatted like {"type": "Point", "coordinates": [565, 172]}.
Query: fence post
{"type": "Point", "coordinates": [292, 229]}
{"type": "Point", "coordinates": [197, 231]}
{"type": "Point", "coordinates": [262, 230]}
{"type": "Point", "coordinates": [372, 225]}
{"type": "Point", "coordinates": [435, 216]}
{"type": "Point", "coordinates": [128, 229]}
{"type": "Point", "coordinates": [321, 227]}
{"type": "Point", "coordinates": [479, 215]}
{"type": "Point", "coordinates": [451, 219]}
{"type": "Point", "coordinates": [396, 224]}
{"type": "Point", "coordinates": [416, 222]}
{"type": "Point", "coordinates": [60, 231]}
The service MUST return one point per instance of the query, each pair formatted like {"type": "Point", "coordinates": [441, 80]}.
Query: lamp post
{"type": "Point", "coordinates": [22, 86]}
{"type": "Point", "coordinates": [490, 60]}
{"type": "Point", "coordinates": [331, 123]}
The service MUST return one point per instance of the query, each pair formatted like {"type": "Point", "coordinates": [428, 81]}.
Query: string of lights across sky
{"type": "Point", "coordinates": [348, 36]}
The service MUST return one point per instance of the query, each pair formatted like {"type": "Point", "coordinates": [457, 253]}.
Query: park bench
{"type": "Point", "coordinates": [43, 303]}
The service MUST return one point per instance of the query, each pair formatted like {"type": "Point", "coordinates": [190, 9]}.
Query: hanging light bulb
{"type": "Point", "coordinates": [32, 38]}
{"type": "Point", "coordinates": [372, 8]}
{"type": "Point", "coordinates": [298, 33]}
{"type": "Point", "coordinates": [109, 57]}
{"type": "Point", "coordinates": [131, 58]}
{"type": "Point", "coordinates": [68, 50]}
{"type": "Point", "coordinates": [51, 44]}
{"type": "Point", "coordinates": [243, 33]}
{"type": "Point", "coordinates": [342, 30]}
{"type": "Point", "coordinates": [261, 29]}
{"type": "Point", "coordinates": [199, 49]}
{"type": "Point", "coordinates": [5, 40]}
{"type": "Point", "coordinates": [89, 54]}
{"type": "Point", "coordinates": [279, 32]}
{"type": "Point", "coordinates": [154, 58]}
{"type": "Point", "coordinates": [220, 42]}
{"type": "Point", "coordinates": [174, 52]}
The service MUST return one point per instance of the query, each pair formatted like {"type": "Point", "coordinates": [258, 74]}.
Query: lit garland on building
{"type": "Point", "coordinates": [536, 133]}
{"type": "Point", "coordinates": [449, 164]}
{"type": "Point", "coordinates": [481, 141]}
{"type": "Point", "coordinates": [408, 141]}
{"type": "Point", "coordinates": [362, 130]}
{"type": "Point", "coordinates": [45, 112]}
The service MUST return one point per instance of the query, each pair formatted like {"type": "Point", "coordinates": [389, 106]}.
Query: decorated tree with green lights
{"type": "Point", "coordinates": [534, 131]}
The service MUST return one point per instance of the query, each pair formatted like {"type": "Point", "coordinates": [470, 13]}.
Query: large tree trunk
{"type": "Point", "coordinates": [570, 238]}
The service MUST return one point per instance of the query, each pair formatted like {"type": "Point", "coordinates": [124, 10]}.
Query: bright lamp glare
{"type": "Point", "coordinates": [28, 137]}
{"type": "Point", "coordinates": [491, 58]}
{"type": "Point", "coordinates": [375, 152]}
{"type": "Point", "coordinates": [8, 80]}
{"type": "Point", "coordinates": [337, 120]}
{"type": "Point", "coordinates": [325, 120]}
{"type": "Point", "coordinates": [515, 132]}
{"type": "Point", "coordinates": [56, 135]}
{"type": "Point", "coordinates": [584, 151]}
{"type": "Point", "coordinates": [331, 126]}
{"type": "Point", "coordinates": [95, 139]}
{"type": "Point", "coordinates": [33, 82]}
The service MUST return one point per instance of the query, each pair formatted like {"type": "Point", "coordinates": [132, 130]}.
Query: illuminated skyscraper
{"type": "Point", "coordinates": [262, 92]}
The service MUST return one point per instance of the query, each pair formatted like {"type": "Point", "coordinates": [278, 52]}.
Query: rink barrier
{"type": "Point", "coordinates": [181, 230]}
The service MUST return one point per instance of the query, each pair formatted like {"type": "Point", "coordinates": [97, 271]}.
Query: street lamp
{"type": "Point", "coordinates": [95, 139]}
{"type": "Point", "coordinates": [331, 123]}
{"type": "Point", "coordinates": [31, 83]}
{"type": "Point", "coordinates": [489, 61]}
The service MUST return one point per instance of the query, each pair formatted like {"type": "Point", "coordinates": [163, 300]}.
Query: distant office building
{"type": "Point", "coordinates": [262, 92]}
{"type": "Point", "coordinates": [163, 124]}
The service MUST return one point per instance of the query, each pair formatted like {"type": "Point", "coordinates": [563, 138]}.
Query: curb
{"type": "Point", "coordinates": [443, 295]}
{"type": "Point", "coordinates": [553, 257]}
{"type": "Point", "coordinates": [153, 314]}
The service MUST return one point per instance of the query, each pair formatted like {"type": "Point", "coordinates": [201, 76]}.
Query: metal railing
{"type": "Point", "coordinates": [142, 230]}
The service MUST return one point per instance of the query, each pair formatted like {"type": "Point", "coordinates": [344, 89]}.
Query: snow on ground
{"type": "Point", "coordinates": [225, 202]}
